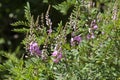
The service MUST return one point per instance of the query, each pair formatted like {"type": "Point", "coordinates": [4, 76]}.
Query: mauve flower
{"type": "Point", "coordinates": [95, 27]}
{"type": "Point", "coordinates": [55, 60]}
{"type": "Point", "coordinates": [77, 38]}
{"type": "Point", "coordinates": [55, 53]}
{"type": "Point", "coordinates": [49, 31]}
{"type": "Point", "coordinates": [57, 56]}
{"type": "Point", "coordinates": [92, 35]}
{"type": "Point", "coordinates": [34, 48]}
{"type": "Point", "coordinates": [89, 36]}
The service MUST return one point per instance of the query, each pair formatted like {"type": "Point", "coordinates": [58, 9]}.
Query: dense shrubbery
{"type": "Point", "coordinates": [86, 47]}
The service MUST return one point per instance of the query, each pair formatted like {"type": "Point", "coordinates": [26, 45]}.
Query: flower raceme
{"type": "Point", "coordinates": [91, 30]}
{"type": "Point", "coordinates": [34, 49]}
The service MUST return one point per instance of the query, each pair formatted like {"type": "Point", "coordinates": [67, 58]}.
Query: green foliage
{"type": "Point", "coordinates": [24, 23]}
{"type": "Point", "coordinates": [65, 6]}
{"type": "Point", "coordinates": [21, 30]}
{"type": "Point", "coordinates": [27, 12]}
{"type": "Point", "coordinates": [18, 23]}
{"type": "Point", "coordinates": [93, 58]}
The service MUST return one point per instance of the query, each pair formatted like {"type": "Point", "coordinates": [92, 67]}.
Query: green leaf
{"type": "Point", "coordinates": [64, 6]}
{"type": "Point", "coordinates": [27, 12]}
{"type": "Point", "coordinates": [18, 23]}
{"type": "Point", "coordinates": [60, 26]}
{"type": "Point", "coordinates": [2, 68]}
{"type": "Point", "coordinates": [21, 30]}
{"type": "Point", "coordinates": [67, 46]}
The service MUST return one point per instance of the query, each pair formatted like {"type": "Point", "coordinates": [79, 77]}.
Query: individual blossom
{"type": "Point", "coordinates": [94, 25]}
{"type": "Point", "coordinates": [55, 53]}
{"type": "Point", "coordinates": [76, 39]}
{"type": "Point", "coordinates": [34, 48]}
{"type": "Point", "coordinates": [49, 31]}
{"type": "Point", "coordinates": [90, 36]}
{"type": "Point", "coordinates": [57, 56]}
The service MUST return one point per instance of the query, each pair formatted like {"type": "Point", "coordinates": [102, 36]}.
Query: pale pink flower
{"type": "Point", "coordinates": [55, 53]}
{"type": "Point", "coordinates": [95, 27]}
{"type": "Point", "coordinates": [57, 56]}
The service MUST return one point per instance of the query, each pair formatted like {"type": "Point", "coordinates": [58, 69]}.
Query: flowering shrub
{"type": "Point", "coordinates": [86, 47]}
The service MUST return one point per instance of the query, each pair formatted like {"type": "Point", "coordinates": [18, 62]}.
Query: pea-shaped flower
{"type": "Point", "coordinates": [95, 27]}
{"type": "Point", "coordinates": [57, 56]}
{"type": "Point", "coordinates": [34, 48]}
{"type": "Point", "coordinates": [90, 36]}
{"type": "Point", "coordinates": [76, 39]}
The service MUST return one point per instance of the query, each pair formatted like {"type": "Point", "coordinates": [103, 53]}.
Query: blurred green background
{"type": "Point", "coordinates": [13, 10]}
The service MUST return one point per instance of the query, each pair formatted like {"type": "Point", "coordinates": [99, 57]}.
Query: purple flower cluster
{"type": "Point", "coordinates": [57, 55]}
{"type": "Point", "coordinates": [76, 39]}
{"type": "Point", "coordinates": [34, 49]}
{"type": "Point", "coordinates": [92, 28]}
